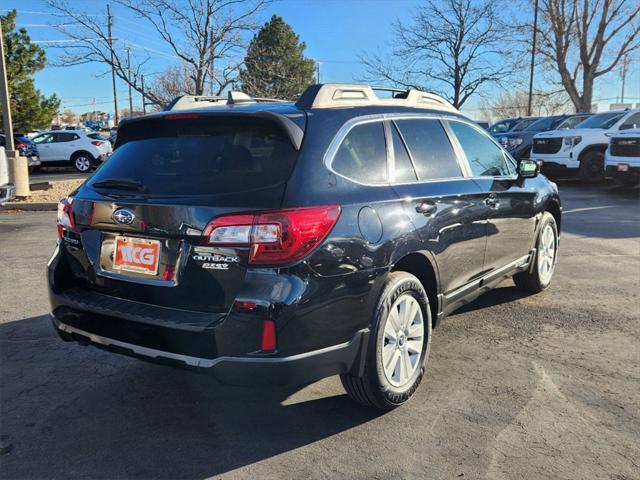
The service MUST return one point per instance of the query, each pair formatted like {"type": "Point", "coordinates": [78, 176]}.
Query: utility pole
{"type": "Point", "coordinates": [113, 72]}
{"type": "Point", "coordinates": [623, 74]}
{"type": "Point", "coordinates": [129, 76]}
{"type": "Point", "coordinates": [533, 57]}
{"type": "Point", "coordinates": [18, 169]}
{"type": "Point", "coordinates": [317, 72]}
{"type": "Point", "coordinates": [144, 100]}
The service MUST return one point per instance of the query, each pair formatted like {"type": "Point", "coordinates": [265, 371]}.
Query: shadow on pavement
{"type": "Point", "coordinates": [70, 411]}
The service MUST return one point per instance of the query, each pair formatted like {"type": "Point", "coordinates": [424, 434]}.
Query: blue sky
{"type": "Point", "coordinates": [335, 32]}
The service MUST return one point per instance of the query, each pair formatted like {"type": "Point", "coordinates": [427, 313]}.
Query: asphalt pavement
{"type": "Point", "coordinates": [536, 387]}
{"type": "Point", "coordinates": [56, 174]}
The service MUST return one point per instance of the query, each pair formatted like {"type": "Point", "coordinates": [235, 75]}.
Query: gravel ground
{"type": "Point", "coordinates": [57, 191]}
{"type": "Point", "coordinates": [536, 387]}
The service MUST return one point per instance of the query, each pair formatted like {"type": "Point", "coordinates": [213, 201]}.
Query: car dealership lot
{"type": "Point", "coordinates": [518, 387]}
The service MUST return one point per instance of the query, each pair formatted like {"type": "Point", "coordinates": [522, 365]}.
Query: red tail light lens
{"type": "Point", "coordinates": [97, 143]}
{"type": "Point", "coordinates": [278, 237]}
{"type": "Point", "coordinates": [65, 216]}
{"type": "Point", "coordinates": [268, 343]}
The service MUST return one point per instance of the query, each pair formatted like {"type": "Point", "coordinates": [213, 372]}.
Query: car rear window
{"type": "Point", "coordinates": [201, 156]}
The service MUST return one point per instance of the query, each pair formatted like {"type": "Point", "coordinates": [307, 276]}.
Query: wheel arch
{"type": "Point", "coordinates": [597, 147]}
{"type": "Point", "coordinates": [553, 207]}
{"type": "Point", "coordinates": [424, 269]}
{"type": "Point", "coordinates": [79, 152]}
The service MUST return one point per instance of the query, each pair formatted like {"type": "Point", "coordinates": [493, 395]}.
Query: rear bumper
{"type": "Point", "coordinates": [291, 370]}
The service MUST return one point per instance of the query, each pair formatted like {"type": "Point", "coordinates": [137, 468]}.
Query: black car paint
{"type": "Point", "coordinates": [323, 301]}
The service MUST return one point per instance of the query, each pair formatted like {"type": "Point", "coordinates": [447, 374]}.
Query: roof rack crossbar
{"type": "Point", "coordinates": [185, 102]}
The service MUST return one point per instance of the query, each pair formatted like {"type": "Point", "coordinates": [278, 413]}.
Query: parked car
{"type": "Point", "coordinates": [7, 190]}
{"type": "Point", "coordinates": [26, 148]}
{"type": "Point", "coordinates": [511, 124]}
{"type": "Point", "coordinates": [622, 158]}
{"type": "Point", "coordinates": [77, 148]}
{"type": "Point", "coordinates": [581, 150]}
{"type": "Point", "coordinates": [518, 143]}
{"type": "Point", "coordinates": [283, 243]}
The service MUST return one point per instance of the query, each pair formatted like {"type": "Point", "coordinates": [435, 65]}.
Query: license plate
{"type": "Point", "coordinates": [137, 255]}
{"type": "Point", "coordinates": [623, 167]}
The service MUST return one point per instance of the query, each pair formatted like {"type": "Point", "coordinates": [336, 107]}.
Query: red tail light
{"type": "Point", "coordinates": [277, 237]}
{"type": "Point", "coordinates": [268, 343]}
{"type": "Point", "coordinates": [97, 143]}
{"type": "Point", "coordinates": [65, 216]}
{"type": "Point", "coordinates": [20, 146]}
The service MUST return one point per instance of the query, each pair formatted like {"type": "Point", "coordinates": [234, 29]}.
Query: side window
{"type": "Point", "coordinates": [362, 156]}
{"type": "Point", "coordinates": [485, 157]}
{"type": "Point", "coordinates": [45, 138]}
{"type": "Point", "coordinates": [430, 149]}
{"type": "Point", "coordinates": [64, 137]}
{"type": "Point", "coordinates": [632, 122]}
{"type": "Point", "coordinates": [404, 169]}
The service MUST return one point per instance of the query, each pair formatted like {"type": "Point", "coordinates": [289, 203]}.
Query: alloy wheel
{"type": "Point", "coordinates": [546, 253]}
{"type": "Point", "coordinates": [402, 341]}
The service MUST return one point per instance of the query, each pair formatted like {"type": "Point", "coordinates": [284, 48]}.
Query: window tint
{"type": "Point", "coordinates": [503, 126]}
{"type": "Point", "coordinates": [571, 122]}
{"type": "Point", "coordinates": [602, 120]}
{"type": "Point", "coordinates": [542, 125]}
{"type": "Point", "coordinates": [430, 149]}
{"type": "Point", "coordinates": [204, 156]}
{"type": "Point", "coordinates": [95, 136]}
{"type": "Point", "coordinates": [362, 156]}
{"type": "Point", "coordinates": [404, 170]}
{"type": "Point", "coordinates": [65, 137]}
{"type": "Point", "coordinates": [485, 157]}
{"type": "Point", "coordinates": [632, 122]}
{"type": "Point", "coordinates": [523, 124]}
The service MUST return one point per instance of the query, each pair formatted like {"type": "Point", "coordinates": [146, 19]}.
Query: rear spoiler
{"type": "Point", "coordinates": [294, 130]}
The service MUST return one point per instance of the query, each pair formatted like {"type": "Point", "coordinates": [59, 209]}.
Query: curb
{"type": "Point", "coordinates": [30, 207]}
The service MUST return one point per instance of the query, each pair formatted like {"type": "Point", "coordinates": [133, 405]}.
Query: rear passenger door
{"type": "Point", "coordinates": [446, 208]}
{"type": "Point", "coordinates": [64, 145]}
{"type": "Point", "coordinates": [509, 201]}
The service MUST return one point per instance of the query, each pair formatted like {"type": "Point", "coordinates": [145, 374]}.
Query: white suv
{"type": "Point", "coordinates": [81, 149]}
{"type": "Point", "coordinates": [581, 149]}
{"type": "Point", "coordinates": [622, 159]}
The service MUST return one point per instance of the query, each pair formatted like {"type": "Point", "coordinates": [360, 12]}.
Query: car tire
{"type": "Point", "coordinates": [591, 168]}
{"type": "Point", "coordinates": [538, 276]}
{"type": "Point", "coordinates": [398, 346]}
{"type": "Point", "coordinates": [82, 162]}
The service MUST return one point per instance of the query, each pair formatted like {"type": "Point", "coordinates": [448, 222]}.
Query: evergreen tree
{"type": "Point", "coordinates": [29, 108]}
{"type": "Point", "coordinates": [275, 65]}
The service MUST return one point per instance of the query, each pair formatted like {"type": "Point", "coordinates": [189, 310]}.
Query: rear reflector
{"type": "Point", "coordinates": [276, 237]}
{"type": "Point", "coordinates": [268, 343]}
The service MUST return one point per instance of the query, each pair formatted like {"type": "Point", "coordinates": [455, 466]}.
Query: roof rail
{"type": "Point", "coordinates": [188, 102]}
{"type": "Point", "coordinates": [334, 95]}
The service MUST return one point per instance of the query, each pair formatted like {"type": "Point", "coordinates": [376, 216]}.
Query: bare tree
{"type": "Point", "coordinates": [174, 81]}
{"type": "Point", "coordinates": [206, 36]}
{"type": "Point", "coordinates": [585, 39]}
{"type": "Point", "coordinates": [513, 103]}
{"type": "Point", "coordinates": [455, 45]}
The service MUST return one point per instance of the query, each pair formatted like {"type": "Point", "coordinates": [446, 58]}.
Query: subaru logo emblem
{"type": "Point", "coordinates": [123, 216]}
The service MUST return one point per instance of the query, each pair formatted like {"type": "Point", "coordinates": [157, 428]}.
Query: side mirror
{"type": "Point", "coordinates": [528, 169]}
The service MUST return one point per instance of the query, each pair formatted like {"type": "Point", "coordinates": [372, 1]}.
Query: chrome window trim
{"type": "Point", "coordinates": [344, 130]}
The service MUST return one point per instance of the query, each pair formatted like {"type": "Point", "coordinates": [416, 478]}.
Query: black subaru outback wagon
{"type": "Point", "coordinates": [282, 243]}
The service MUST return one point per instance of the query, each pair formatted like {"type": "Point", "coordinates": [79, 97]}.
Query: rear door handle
{"type": "Point", "coordinates": [426, 208]}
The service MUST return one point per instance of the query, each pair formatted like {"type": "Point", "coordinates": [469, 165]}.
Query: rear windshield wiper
{"type": "Point", "coordinates": [121, 183]}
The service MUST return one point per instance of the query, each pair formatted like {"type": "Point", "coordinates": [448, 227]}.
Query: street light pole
{"type": "Point", "coordinates": [113, 73]}
{"type": "Point", "coordinates": [18, 169]}
{"type": "Point", "coordinates": [533, 57]}
{"type": "Point", "coordinates": [129, 75]}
